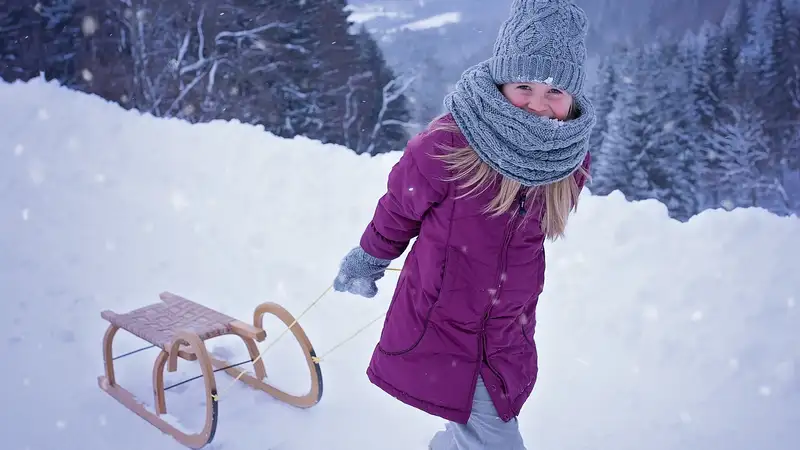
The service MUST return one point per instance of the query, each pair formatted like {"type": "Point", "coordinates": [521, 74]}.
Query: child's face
{"type": "Point", "coordinates": [539, 98]}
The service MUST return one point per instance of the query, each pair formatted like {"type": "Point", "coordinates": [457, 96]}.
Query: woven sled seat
{"type": "Point", "coordinates": [158, 323]}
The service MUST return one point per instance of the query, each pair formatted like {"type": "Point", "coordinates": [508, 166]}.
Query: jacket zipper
{"type": "Point", "coordinates": [501, 276]}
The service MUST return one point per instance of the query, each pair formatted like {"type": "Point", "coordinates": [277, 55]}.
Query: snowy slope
{"type": "Point", "coordinates": [653, 334]}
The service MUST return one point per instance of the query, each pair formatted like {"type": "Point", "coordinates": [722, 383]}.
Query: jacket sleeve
{"type": "Point", "coordinates": [415, 184]}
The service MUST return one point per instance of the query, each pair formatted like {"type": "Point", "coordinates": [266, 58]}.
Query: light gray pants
{"type": "Point", "coordinates": [484, 430]}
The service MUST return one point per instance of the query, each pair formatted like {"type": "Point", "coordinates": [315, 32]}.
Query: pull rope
{"type": "Point", "coordinates": [316, 359]}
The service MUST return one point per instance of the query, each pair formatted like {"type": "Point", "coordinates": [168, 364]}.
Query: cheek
{"type": "Point", "coordinates": [561, 107]}
{"type": "Point", "coordinates": [519, 100]}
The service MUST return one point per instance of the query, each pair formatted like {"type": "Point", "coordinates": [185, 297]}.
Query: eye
{"type": "Point", "coordinates": [554, 91]}
{"type": "Point", "coordinates": [525, 87]}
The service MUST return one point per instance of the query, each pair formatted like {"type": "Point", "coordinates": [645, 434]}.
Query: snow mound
{"type": "Point", "coordinates": [652, 333]}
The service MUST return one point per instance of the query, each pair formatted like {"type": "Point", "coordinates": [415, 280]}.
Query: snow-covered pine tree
{"type": "Point", "coordinates": [778, 23]}
{"type": "Point", "coordinates": [645, 117]}
{"type": "Point", "coordinates": [41, 38]}
{"type": "Point", "coordinates": [625, 128]}
{"type": "Point", "coordinates": [738, 21]}
{"type": "Point", "coordinates": [691, 134]}
{"type": "Point", "coordinates": [321, 33]}
{"type": "Point", "coordinates": [425, 95]}
{"type": "Point", "coordinates": [603, 94]}
{"type": "Point", "coordinates": [740, 142]}
{"type": "Point", "coordinates": [384, 127]}
{"type": "Point", "coordinates": [707, 93]}
{"type": "Point", "coordinates": [672, 175]}
{"type": "Point", "coordinates": [329, 67]}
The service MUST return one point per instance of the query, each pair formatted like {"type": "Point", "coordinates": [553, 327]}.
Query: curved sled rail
{"type": "Point", "coordinates": [180, 327]}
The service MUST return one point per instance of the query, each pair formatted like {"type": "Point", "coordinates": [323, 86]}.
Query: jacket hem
{"type": "Point", "coordinates": [436, 410]}
{"type": "Point", "coordinates": [522, 398]}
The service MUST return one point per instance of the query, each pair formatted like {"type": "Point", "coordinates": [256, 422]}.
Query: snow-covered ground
{"type": "Point", "coordinates": [653, 334]}
{"type": "Point", "coordinates": [369, 12]}
{"type": "Point", "coordinates": [436, 21]}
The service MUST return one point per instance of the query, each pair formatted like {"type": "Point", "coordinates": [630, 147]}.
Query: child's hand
{"type": "Point", "coordinates": [358, 273]}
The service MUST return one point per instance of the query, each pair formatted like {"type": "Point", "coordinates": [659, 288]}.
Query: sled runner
{"type": "Point", "coordinates": [180, 327]}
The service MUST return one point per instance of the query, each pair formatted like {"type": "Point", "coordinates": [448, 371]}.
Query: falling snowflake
{"type": "Point", "coordinates": [697, 316]}
{"type": "Point", "coordinates": [60, 424]}
{"type": "Point", "coordinates": [18, 150]}
{"type": "Point", "coordinates": [89, 25]}
{"type": "Point", "coordinates": [36, 172]}
{"type": "Point", "coordinates": [178, 201]}
{"type": "Point", "coordinates": [87, 75]}
{"type": "Point", "coordinates": [790, 302]}
{"type": "Point", "coordinates": [259, 44]}
{"type": "Point", "coordinates": [766, 391]}
{"type": "Point", "coordinates": [25, 214]}
{"type": "Point", "coordinates": [651, 313]}
{"type": "Point", "coordinates": [43, 114]}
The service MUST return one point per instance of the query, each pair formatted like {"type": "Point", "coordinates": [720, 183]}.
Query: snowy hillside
{"type": "Point", "coordinates": [653, 334]}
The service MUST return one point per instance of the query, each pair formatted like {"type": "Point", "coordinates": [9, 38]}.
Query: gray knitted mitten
{"type": "Point", "coordinates": [358, 273]}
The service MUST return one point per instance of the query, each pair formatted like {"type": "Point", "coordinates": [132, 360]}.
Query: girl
{"type": "Point", "coordinates": [480, 189]}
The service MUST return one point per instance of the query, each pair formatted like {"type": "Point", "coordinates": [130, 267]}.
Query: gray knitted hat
{"type": "Point", "coordinates": [542, 40]}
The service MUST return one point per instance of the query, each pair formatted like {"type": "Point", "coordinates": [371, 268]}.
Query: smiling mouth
{"type": "Point", "coordinates": [542, 114]}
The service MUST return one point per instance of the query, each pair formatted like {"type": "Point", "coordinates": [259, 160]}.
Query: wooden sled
{"type": "Point", "coordinates": [180, 328]}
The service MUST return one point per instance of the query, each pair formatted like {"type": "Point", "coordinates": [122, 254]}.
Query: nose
{"type": "Point", "coordinates": [537, 104]}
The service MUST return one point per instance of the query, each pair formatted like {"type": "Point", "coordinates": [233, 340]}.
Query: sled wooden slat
{"type": "Point", "coordinates": [180, 327]}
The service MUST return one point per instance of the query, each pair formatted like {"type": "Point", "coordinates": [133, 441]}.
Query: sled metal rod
{"type": "Point", "coordinates": [201, 376]}
{"type": "Point", "coordinates": [133, 351]}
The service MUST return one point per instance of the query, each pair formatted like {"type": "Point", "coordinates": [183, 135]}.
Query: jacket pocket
{"type": "Point", "coordinates": [408, 317]}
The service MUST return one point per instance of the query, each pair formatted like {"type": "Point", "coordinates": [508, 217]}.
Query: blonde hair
{"type": "Point", "coordinates": [560, 197]}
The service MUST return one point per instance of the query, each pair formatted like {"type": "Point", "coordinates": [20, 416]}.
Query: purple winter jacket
{"type": "Point", "coordinates": [465, 302]}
